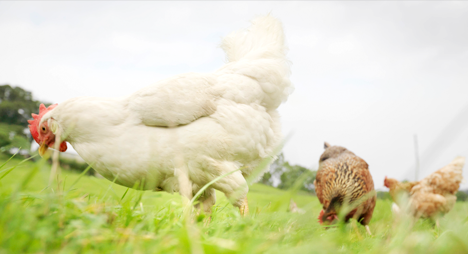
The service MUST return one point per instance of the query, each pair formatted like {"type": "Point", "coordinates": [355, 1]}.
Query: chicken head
{"type": "Point", "coordinates": [42, 133]}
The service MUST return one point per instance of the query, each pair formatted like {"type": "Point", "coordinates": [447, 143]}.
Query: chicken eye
{"type": "Point", "coordinates": [43, 129]}
{"type": "Point", "coordinates": [323, 158]}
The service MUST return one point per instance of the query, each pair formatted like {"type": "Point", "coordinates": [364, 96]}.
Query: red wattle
{"type": "Point", "coordinates": [63, 146]}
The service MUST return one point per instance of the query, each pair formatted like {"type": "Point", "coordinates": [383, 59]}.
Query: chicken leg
{"type": "Point", "coordinates": [368, 230]}
{"type": "Point", "coordinates": [244, 208]}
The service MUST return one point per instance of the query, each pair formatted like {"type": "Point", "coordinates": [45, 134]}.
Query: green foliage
{"type": "Point", "coordinates": [16, 105]}
{"type": "Point", "coordinates": [13, 136]}
{"type": "Point", "coordinates": [385, 195]}
{"type": "Point", "coordinates": [96, 216]}
{"type": "Point", "coordinates": [288, 174]}
{"type": "Point", "coordinates": [462, 196]}
{"type": "Point", "coordinates": [294, 172]}
{"type": "Point", "coordinates": [4, 139]}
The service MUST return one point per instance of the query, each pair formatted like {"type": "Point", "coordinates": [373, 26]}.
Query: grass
{"type": "Point", "coordinates": [96, 216]}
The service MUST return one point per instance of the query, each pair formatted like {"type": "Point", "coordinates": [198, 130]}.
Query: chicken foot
{"type": "Point", "coordinates": [235, 187]}
{"type": "Point", "coordinates": [205, 203]}
{"type": "Point", "coordinates": [244, 208]}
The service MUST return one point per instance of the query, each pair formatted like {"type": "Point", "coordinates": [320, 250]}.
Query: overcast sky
{"type": "Point", "coordinates": [367, 75]}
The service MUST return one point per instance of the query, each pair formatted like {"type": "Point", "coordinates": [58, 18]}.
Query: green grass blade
{"type": "Point", "coordinates": [7, 171]}
{"type": "Point", "coordinates": [210, 183]}
{"type": "Point", "coordinates": [110, 187]}
{"type": "Point", "coordinates": [9, 159]}
{"type": "Point", "coordinates": [79, 177]}
{"type": "Point", "coordinates": [266, 162]}
{"type": "Point", "coordinates": [125, 193]}
{"type": "Point", "coordinates": [138, 199]}
{"type": "Point", "coordinates": [29, 177]}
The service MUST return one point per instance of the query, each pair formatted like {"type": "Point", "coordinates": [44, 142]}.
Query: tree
{"type": "Point", "coordinates": [293, 173]}
{"type": "Point", "coordinates": [12, 136]}
{"type": "Point", "coordinates": [284, 175]}
{"type": "Point", "coordinates": [4, 139]}
{"type": "Point", "coordinates": [462, 195]}
{"type": "Point", "coordinates": [273, 175]}
{"type": "Point", "coordinates": [16, 106]}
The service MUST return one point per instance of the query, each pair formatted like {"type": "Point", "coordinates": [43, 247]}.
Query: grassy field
{"type": "Point", "coordinates": [92, 215]}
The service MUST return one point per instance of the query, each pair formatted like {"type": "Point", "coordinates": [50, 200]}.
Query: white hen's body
{"type": "Point", "coordinates": [183, 132]}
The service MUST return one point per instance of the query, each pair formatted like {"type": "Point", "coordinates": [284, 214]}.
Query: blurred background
{"type": "Point", "coordinates": [387, 80]}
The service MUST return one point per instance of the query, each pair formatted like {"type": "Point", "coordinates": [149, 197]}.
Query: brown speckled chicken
{"type": "Point", "coordinates": [344, 177]}
{"type": "Point", "coordinates": [435, 194]}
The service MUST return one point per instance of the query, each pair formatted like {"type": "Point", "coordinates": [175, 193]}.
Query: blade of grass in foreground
{"type": "Point", "coordinates": [9, 159]}
{"type": "Point", "coordinates": [28, 178]}
{"type": "Point", "coordinates": [79, 177]}
{"type": "Point", "coordinates": [256, 173]}
{"type": "Point", "coordinates": [141, 192]}
{"type": "Point", "coordinates": [209, 184]}
{"type": "Point", "coordinates": [7, 171]}
{"type": "Point", "coordinates": [110, 187]}
{"type": "Point", "coordinates": [348, 207]}
{"type": "Point", "coordinates": [260, 168]}
{"type": "Point", "coordinates": [123, 196]}
{"type": "Point", "coordinates": [285, 199]}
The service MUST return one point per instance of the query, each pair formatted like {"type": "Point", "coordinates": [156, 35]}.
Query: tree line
{"type": "Point", "coordinates": [283, 175]}
{"type": "Point", "coordinates": [16, 106]}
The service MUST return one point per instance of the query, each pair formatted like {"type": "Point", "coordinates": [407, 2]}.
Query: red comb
{"type": "Point", "coordinates": [34, 123]}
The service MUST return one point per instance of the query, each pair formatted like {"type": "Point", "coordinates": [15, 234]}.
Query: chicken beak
{"type": "Point", "coordinates": [42, 149]}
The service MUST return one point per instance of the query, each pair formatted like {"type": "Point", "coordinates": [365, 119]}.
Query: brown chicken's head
{"type": "Point", "coordinates": [329, 215]}
{"type": "Point", "coordinates": [332, 152]}
{"type": "Point", "coordinates": [390, 182]}
{"type": "Point", "coordinates": [328, 218]}
{"type": "Point", "coordinates": [41, 132]}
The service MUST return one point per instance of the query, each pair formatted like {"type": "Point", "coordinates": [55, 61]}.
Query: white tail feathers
{"type": "Point", "coordinates": [259, 52]}
{"type": "Point", "coordinates": [265, 36]}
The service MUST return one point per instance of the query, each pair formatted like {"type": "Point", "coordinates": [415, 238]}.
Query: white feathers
{"type": "Point", "coordinates": [178, 100]}
{"type": "Point", "coordinates": [258, 73]}
{"type": "Point", "coordinates": [263, 39]}
{"type": "Point", "coordinates": [260, 54]}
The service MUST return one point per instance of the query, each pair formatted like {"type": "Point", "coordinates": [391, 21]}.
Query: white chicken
{"type": "Point", "coordinates": [184, 131]}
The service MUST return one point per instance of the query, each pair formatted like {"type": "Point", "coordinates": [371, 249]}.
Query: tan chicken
{"type": "Point", "coordinates": [399, 191]}
{"type": "Point", "coordinates": [433, 195]}
{"type": "Point", "coordinates": [344, 178]}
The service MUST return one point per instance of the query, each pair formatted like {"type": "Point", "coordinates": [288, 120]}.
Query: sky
{"type": "Point", "coordinates": [369, 76]}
